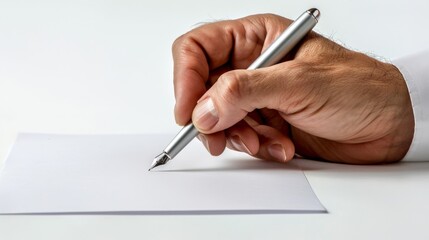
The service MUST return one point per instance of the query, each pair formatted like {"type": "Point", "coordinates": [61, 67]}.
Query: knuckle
{"type": "Point", "coordinates": [233, 87]}
{"type": "Point", "coordinates": [177, 42]}
{"type": "Point", "coordinates": [183, 44]}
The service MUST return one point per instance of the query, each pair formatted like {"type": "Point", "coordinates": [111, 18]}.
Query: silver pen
{"type": "Point", "coordinates": [272, 55]}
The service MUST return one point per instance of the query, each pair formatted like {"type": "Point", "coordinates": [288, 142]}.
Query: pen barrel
{"type": "Point", "coordinates": [182, 139]}
{"type": "Point", "coordinates": [272, 55]}
{"type": "Point", "coordinates": [286, 41]}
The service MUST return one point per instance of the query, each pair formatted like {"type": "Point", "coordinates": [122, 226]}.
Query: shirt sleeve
{"type": "Point", "coordinates": [415, 70]}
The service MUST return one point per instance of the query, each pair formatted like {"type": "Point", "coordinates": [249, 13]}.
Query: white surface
{"type": "Point", "coordinates": [364, 202]}
{"type": "Point", "coordinates": [105, 67]}
{"type": "Point", "coordinates": [48, 173]}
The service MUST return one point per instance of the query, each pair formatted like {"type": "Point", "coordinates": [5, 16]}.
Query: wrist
{"type": "Point", "coordinates": [402, 132]}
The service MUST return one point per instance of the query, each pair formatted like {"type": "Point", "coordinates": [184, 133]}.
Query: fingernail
{"type": "Point", "coordinates": [205, 114]}
{"type": "Point", "coordinates": [204, 141]}
{"type": "Point", "coordinates": [277, 151]}
{"type": "Point", "coordinates": [239, 145]}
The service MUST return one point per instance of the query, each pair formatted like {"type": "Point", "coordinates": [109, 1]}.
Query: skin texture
{"type": "Point", "coordinates": [322, 101]}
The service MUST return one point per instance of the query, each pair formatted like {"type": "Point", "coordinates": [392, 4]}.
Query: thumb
{"type": "Point", "coordinates": [233, 96]}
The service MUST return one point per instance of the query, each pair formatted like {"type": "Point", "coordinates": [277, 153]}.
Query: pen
{"type": "Point", "coordinates": [272, 55]}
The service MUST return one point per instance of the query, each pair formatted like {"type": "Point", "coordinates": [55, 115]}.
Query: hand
{"type": "Point", "coordinates": [323, 101]}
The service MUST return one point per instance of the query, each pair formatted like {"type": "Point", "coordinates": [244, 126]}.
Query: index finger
{"type": "Point", "coordinates": [206, 48]}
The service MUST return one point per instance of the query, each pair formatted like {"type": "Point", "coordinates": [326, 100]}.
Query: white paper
{"type": "Point", "coordinates": [109, 174]}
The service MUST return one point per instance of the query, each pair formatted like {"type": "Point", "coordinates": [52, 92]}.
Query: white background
{"type": "Point", "coordinates": [105, 67]}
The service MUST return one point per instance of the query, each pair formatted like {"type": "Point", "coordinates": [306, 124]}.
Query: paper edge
{"type": "Point", "coordinates": [179, 212]}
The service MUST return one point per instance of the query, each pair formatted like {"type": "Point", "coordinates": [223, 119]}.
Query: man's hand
{"type": "Point", "coordinates": [323, 101]}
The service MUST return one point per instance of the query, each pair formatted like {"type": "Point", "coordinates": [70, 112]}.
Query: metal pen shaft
{"type": "Point", "coordinates": [272, 55]}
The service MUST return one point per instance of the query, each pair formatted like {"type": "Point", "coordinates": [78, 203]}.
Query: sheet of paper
{"type": "Point", "coordinates": [108, 174]}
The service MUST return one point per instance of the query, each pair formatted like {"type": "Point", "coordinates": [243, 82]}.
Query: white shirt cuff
{"type": "Point", "coordinates": [415, 70]}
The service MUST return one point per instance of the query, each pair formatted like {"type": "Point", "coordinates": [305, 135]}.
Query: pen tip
{"type": "Point", "coordinates": [161, 159]}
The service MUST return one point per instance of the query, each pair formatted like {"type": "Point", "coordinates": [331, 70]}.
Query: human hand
{"type": "Point", "coordinates": [323, 101]}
